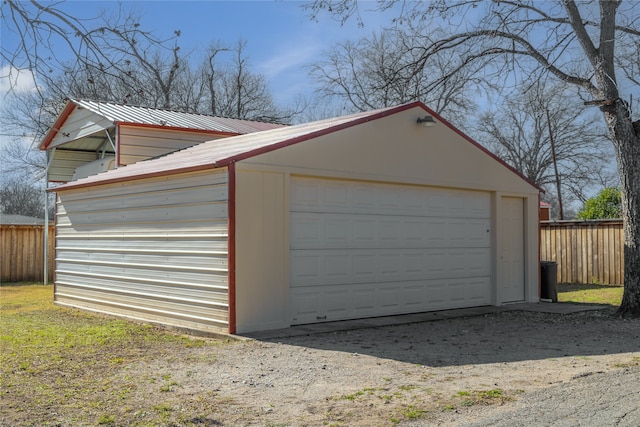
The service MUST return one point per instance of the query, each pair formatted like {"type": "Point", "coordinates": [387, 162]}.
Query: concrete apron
{"type": "Point", "coordinates": [374, 322]}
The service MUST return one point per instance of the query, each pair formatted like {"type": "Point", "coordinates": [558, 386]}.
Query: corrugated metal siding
{"type": "Point", "coordinates": [152, 249]}
{"type": "Point", "coordinates": [65, 162]}
{"type": "Point", "coordinates": [140, 143]}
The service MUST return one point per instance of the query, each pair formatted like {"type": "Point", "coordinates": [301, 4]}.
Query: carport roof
{"type": "Point", "coordinates": [223, 152]}
{"type": "Point", "coordinates": [112, 114]}
{"type": "Point", "coordinates": [6, 219]}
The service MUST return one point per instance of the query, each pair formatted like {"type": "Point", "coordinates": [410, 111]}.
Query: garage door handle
{"type": "Point", "coordinates": [321, 317]}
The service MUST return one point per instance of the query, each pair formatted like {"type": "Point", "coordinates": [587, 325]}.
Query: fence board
{"type": "Point", "coordinates": [586, 251]}
{"type": "Point", "coordinates": [22, 253]}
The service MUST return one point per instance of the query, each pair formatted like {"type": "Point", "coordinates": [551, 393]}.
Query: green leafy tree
{"type": "Point", "coordinates": [607, 204]}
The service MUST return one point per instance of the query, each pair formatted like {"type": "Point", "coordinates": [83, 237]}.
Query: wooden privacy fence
{"type": "Point", "coordinates": [586, 251]}
{"type": "Point", "coordinates": [22, 253]}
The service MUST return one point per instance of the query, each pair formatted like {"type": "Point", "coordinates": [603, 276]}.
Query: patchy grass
{"type": "Point", "coordinates": [478, 397]}
{"type": "Point", "coordinates": [635, 361]}
{"type": "Point", "coordinates": [414, 402]}
{"type": "Point", "coordinates": [72, 367]}
{"type": "Point", "coordinates": [61, 366]}
{"type": "Point", "coordinates": [590, 294]}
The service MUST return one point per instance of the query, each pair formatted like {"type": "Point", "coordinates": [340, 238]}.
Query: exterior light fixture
{"type": "Point", "coordinates": [426, 121]}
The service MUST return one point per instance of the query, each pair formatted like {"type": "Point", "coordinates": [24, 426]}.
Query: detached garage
{"type": "Point", "coordinates": [366, 215]}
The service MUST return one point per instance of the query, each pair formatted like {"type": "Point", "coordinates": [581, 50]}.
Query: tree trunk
{"type": "Point", "coordinates": [627, 146]}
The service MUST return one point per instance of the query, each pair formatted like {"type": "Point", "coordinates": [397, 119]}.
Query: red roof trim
{"type": "Point", "coordinates": [66, 112]}
{"type": "Point", "coordinates": [376, 116]}
{"type": "Point", "coordinates": [231, 244]}
{"type": "Point", "coordinates": [71, 186]}
{"type": "Point", "coordinates": [472, 141]}
{"type": "Point", "coordinates": [292, 141]}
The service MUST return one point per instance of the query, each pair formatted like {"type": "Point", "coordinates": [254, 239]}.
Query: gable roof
{"type": "Point", "coordinates": [7, 219]}
{"type": "Point", "coordinates": [223, 152]}
{"type": "Point", "coordinates": [112, 114]}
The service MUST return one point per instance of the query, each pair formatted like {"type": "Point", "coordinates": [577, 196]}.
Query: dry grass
{"type": "Point", "coordinates": [68, 367]}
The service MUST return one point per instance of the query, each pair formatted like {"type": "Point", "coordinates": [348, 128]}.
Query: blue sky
{"type": "Point", "coordinates": [282, 39]}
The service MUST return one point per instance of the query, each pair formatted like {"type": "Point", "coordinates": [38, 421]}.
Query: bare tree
{"type": "Point", "coordinates": [114, 60]}
{"type": "Point", "coordinates": [111, 58]}
{"type": "Point", "coordinates": [236, 91]}
{"type": "Point", "coordinates": [382, 70]}
{"type": "Point", "coordinates": [19, 197]}
{"type": "Point", "coordinates": [583, 44]}
{"type": "Point", "coordinates": [521, 130]}
{"type": "Point", "coordinates": [49, 36]}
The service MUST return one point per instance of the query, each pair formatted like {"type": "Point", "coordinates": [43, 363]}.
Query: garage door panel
{"type": "Point", "coordinates": [364, 301]}
{"type": "Point", "coordinates": [336, 268]}
{"type": "Point", "coordinates": [306, 231]}
{"type": "Point", "coordinates": [478, 290]}
{"type": "Point", "coordinates": [334, 231]}
{"type": "Point", "coordinates": [368, 249]}
{"type": "Point", "coordinates": [305, 268]}
{"type": "Point", "coordinates": [364, 232]}
{"type": "Point", "coordinates": [305, 195]}
{"type": "Point", "coordinates": [324, 196]}
{"type": "Point", "coordinates": [337, 302]}
{"type": "Point", "coordinates": [414, 296]}
{"type": "Point", "coordinates": [389, 298]}
{"type": "Point", "coordinates": [336, 196]}
{"type": "Point", "coordinates": [323, 268]}
{"type": "Point", "coordinates": [362, 266]}
{"type": "Point", "coordinates": [364, 198]}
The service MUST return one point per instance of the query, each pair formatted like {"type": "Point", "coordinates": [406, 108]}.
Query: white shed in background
{"type": "Point", "coordinates": [364, 215]}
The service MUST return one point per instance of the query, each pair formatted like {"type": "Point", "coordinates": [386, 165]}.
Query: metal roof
{"type": "Point", "coordinates": [7, 219]}
{"type": "Point", "coordinates": [225, 151]}
{"type": "Point", "coordinates": [128, 114]}
{"type": "Point", "coordinates": [222, 152]}
{"type": "Point", "coordinates": [142, 116]}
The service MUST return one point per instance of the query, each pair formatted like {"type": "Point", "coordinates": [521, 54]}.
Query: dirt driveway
{"type": "Point", "coordinates": [454, 371]}
{"type": "Point", "coordinates": [496, 367]}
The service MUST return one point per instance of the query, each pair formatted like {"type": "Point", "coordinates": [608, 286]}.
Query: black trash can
{"type": "Point", "coordinates": [549, 281]}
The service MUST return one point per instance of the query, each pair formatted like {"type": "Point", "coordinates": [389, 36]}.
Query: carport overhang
{"type": "Point", "coordinates": [68, 150]}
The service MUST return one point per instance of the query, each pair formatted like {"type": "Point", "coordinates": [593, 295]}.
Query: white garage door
{"type": "Point", "coordinates": [366, 249]}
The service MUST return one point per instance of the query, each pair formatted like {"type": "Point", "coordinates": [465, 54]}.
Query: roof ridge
{"type": "Point", "coordinates": [167, 110]}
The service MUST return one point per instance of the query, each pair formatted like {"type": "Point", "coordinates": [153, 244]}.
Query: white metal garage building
{"type": "Point", "coordinates": [365, 215]}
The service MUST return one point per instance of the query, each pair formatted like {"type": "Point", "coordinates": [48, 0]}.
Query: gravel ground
{"type": "Point", "coordinates": [503, 368]}
{"type": "Point", "coordinates": [506, 368]}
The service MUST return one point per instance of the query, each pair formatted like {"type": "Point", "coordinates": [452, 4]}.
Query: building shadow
{"type": "Point", "coordinates": [495, 337]}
